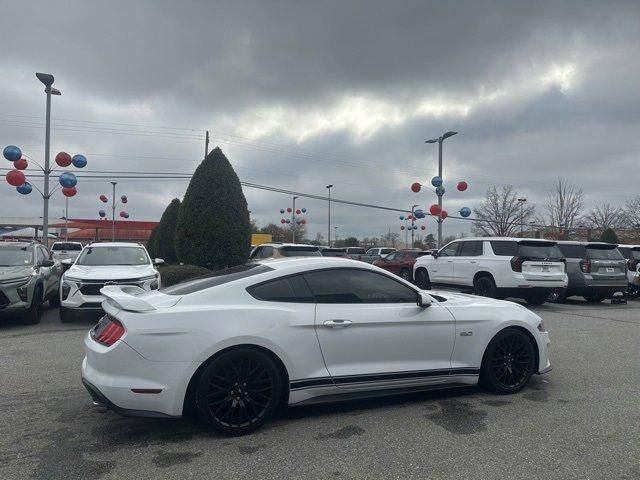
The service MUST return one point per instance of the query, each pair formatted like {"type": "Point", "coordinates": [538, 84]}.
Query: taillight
{"type": "Point", "coordinates": [585, 265]}
{"type": "Point", "coordinates": [632, 264]}
{"type": "Point", "coordinates": [108, 331]}
{"type": "Point", "coordinates": [516, 264]}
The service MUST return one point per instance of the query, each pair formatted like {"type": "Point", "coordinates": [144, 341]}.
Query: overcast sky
{"type": "Point", "coordinates": [299, 94]}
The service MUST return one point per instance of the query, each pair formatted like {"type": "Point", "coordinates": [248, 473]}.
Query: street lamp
{"type": "Point", "coordinates": [335, 236]}
{"type": "Point", "coordinates": [413, 219]}
{"type": "Point", "coordinates": [440, 140]}
{"type": "Point", "coordinates": [293, 222]}
{"type": "Point", "coordinates": [521, 202]}
{"type": "Point", "coordinates": [47, 79]}
{"type": "Point", "coordinates": [329, 187]}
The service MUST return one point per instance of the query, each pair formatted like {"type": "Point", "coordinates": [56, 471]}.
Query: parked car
{"type": "Point", "coordinates": [238, 343]}
{"type": "Point", "coordinates": [596, 271]}
{"type": "Point", "coordinates": [334, 252]}
{"type": "Point", "coordinates": [28, 278]}
{"type": "Point", "coordinates": [400, 262]}
{"type": "Point", "coordinates": [356, 253]}
{"type": "Point", "coordinates": [65, 250]}
{"type": "Point", "coordinates": [277, 250]}
{"type": "Point", "coordinates": [632, 254]}
{"type": "Point", "coordinates": [496, 267]}
{"type": "Point", "coordinates": [376, 253]}
{"type": "Point", "coordinates": [100, 264]}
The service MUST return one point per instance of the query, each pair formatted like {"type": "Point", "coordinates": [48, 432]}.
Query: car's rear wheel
{"type": "Point", "coordinates": [594, 297]}
{"type": "Point", "coordinates": [557, 296]}
{"type": "Point", "coordinates": [509, 362]}
{"type": "Point", "coordinates": [405, 274]}
{"type": "Point", "coordinates": [238, 391]}
{"type": "Point", "coordinates": [422, 279]}
{"type": "Point", "coordinates": [484, 286]}
{"type": "Point", "coordinates": [536, 298]}
{"type": "Point", "coordinates": [34, 312]}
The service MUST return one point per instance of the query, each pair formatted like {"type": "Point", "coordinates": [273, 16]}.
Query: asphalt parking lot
{"type": "Point", "coordinates": [580, 421]}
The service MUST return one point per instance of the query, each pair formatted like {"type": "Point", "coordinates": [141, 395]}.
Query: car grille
{"type": "Point", "coordinates": [4, 301]}
{"type": "Point", "coordinates": [94, 287]}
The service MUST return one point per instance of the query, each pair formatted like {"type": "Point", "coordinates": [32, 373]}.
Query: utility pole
{"type": "Point", "coordinates": [206, 144]}
{"type": "Point", "coordinates": [521, 202]}
{"type": "Point", "coordinates": [293, 221]}
{"type": "Point", "coordinates": [413, 217]}
{"type": "Point", "coordinates": [66, 219]}
{"type": "Point", "coordinates": [329, 221]}
{"type": "Point", "coordinates": [113, 213]}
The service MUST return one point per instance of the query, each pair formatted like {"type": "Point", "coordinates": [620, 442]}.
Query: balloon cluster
{"type": "Point", "coordinates": [417, 214]}
{"type": "Point", "coordinates": [104, 199]}
{"type": "Point", "coordinates": [17, 178]}
{"type": "Point", "coordinates": [435, 209]}
{"type": "Point", "coordinates": [293, 220]}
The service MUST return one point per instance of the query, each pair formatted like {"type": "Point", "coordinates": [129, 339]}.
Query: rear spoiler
{"type": "Point", "coordinates": [126, 298]}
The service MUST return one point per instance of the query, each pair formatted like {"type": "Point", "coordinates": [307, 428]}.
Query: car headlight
{"type": "Point", "coordinates": [71, 279]}
{"type": "Point", "coordinates": [23, 291]}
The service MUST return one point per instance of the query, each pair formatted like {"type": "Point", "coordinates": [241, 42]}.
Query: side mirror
{"type": "Point", "coordinates": [158, 261]}
{"type": "Point", "coordinates": [435, 254]}
{"type": "Point", "coordinates": [424, 299]}
{"type": "Point", "coordinates": [47, 263]}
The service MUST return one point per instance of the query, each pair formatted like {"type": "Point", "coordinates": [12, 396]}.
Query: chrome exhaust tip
{"type": "Point", "coordinates": [98, 407]}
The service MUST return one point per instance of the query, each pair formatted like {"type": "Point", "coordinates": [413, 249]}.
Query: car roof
{"type": "Point", "coordinates": [278, 245]}
{"type": "Point", "coordinates": [586, 244]}
{"type": "Point", "coordinates": [633, 247]}
{"type": "Point", "coordinates": [303, 264]}
{"type": "Point", "coordinates": [114, 244]}
{"type": "Point", "coordinates": [505, 239]}
{"type": "Point", "coordinates": [19, 244]}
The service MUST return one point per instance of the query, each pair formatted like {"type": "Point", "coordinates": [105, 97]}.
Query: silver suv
{"type": "Point", "coordinates": [28, 278]}
{"type": "Point", "coordinates": [596, 271]}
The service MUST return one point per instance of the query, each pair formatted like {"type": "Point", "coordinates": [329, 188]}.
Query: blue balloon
{"type": "Point", "coordinates": [288, 221]}
{"type": "Point", "coordinates": [401, 217]}
{"type": "Point", "coordinates": [304, 210]}
{"type": "Point", "coordinates": [12, 153]}
{"type": "Point", "coordinates": [415, 227]}
{"type": "Point", "coordinates": [436, 181]}
{"type": "Point", "coordinates": [79, 161]}
{"type": "Point", "coordinates": [25, 188]}
{"type": "Point", "coordinates": [440, 190]}
{"type": "Point", "coordinates": [465, 211]}
{"type": "Point", "coordinates": [102, 213]}
{"type": "Point", "coordinates": [282, 210]}
{"type": "Point", "coordinates": [68, 179]}
{"type": "Point", "coordinates": [419, 213]}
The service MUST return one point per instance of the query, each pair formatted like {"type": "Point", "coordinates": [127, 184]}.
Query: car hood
{"type": "Point", "coordinates": [468, 299]}
{"type": "Point", "coordinates": [14, 273]}
{"type": "Point", "coordinates": [110, 272]}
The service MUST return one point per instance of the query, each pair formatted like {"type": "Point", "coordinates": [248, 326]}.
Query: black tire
{"type": "Point", "coordinates": [405, 274]}
{"type": "Point", "coordinates": [594, 297]}
{"type": "Point", "coordinates": [484, 286]}
{"type": "Point", "coordinates": [509, 362]}
{"type": "Point", "coordinates": [54, 301]}
{"type": "Point", "coordinates": [65, 317]}
{"type": "Point", "coordinates": [422, 279]}
{"type": "Point", "coordinates": [536, 298]}
{"type": "Point", "coordinates": [557, 296]}
{"type": "Point", "coordinates": [34, 312]}
{"type": "Point", "coordinates": [238, 392]}
{"type": "Point", "coordinates": [633, 292]}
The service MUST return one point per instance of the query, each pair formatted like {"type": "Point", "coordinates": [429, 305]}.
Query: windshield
{"type": "Point", "coordinates": [300, 252]}
{"type": "Point", "coordinates": [15, 256]}
{"type": "Point", "coordinates": [66, 246]}
{"type": "Point", "coordinates": [113, 256]}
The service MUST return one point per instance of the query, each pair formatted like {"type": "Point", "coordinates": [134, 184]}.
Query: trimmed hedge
{"type": "Point", "coordinates": [172, 274]}
{"type": "Point", "coordinates": [166, 231]}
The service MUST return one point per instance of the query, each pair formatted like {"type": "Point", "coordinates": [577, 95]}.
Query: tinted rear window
{"type": "Point", "coordinates": [628, 253]}
{"type": "Point", "coordinates": [214, 279]}
{"type": "Point", "coordinates": [356, 251]}
{"type": "Point", "coordinates": [529, 249]}
{"type": "Point", "coordinates": [573, 251]}
{"type": "Point", "coordinates": [604, 253]}
{"type": "Point", "coordinates": [334, 252]}
{"type": "Point", "coordinates": [66, 246]}
{"type": "Point", "coordinates": [300, 252]}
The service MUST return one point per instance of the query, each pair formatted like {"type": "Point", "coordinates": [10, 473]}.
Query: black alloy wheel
{"type": "Point", "coordinates": [405, 274]}
{"type": "Point", "coordinates": [484, 286]}
{"type": "Point", "coordinates": [422, 279]}
{"type": "Point", "coordinates": [238, 391]}
{"type": "Point", "coordinates": [32, 315]}
{"type": "Point", "coordinates": [509, 362]}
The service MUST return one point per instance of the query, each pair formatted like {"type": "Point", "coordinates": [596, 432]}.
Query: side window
{"type": "Point", "coordinates": [470, 249]}
{"type": "Point", "coordinates": [256, 253]}
{"type": "Point", "coordinates": [450, 250]}
{"type": "Point", "coordinates": [384, 251]}
{"type": "Point", "coordinates": [357, 286]}
{"type": "Point", "coordinates": [289, 289]}
{"type": "Point", "coordinates": [504, 248]}
{"type": "Point", "coordinates": [267, 252]}
{"type": "Point", "coordinates": [391, 256]}
{"type": "Point", "coordinates": [40, 255]}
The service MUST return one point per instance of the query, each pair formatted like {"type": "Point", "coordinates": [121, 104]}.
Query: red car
{"type": "Point", "coordinates": [401, 262]}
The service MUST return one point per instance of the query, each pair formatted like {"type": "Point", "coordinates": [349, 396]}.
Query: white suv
{"type": "Point", "coordinates": [65, 250]}
{"type": "Point", "coordinates": [101, 264]}
{"type": "Point", "coordinates": [496, 267]}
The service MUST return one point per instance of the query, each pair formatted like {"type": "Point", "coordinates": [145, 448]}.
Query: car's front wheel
{"type": "Point", "coordinates": [34, 312]}
{"type": "Point", "coordinates": [422, 279]}
{"type": "Point", "coordinates": [508, 362]}
{"type": "Point", "coordinates": [238, 391]}
{"type": "Point", "coordinates": [405, 274]}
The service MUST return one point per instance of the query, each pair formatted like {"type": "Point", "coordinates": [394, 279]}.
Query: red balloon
{"type": "Point", "coordinates": [103, 198]}
{"type": "Point", "coordinates": [303, 221]}
{"type": "Point", "coordinates": [443, 214]}
{"type": "Point", "coordinates": [123, 213]}
{"type": "Point", "coordinates": [462, 186]}
{"type": "Point", "coordinates": [63, 159]}
{"type": "Point", "coordinates": [423, 227]}
{"type": "Point", "coordinates": [435, 209]}
{"type": "Point", "coordinates": [69, 191]}
{"type": "Point", "coordinates": [298, 211]}
{"type": "Point", "coordinates": [15, 178]}
{"type": "Point", "coordinates": [21, 164]}
{"type": "Point", "coordinates": [402, 227]}
{"type": "Point", "coordinates": [415, 187]}
{"type": "Point", "coordinates": [289, 209]}
{"type": "Point", "coordinates": [282, 220]}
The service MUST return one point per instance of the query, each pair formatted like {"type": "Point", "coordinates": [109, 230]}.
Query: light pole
{"type": "Point", "coordinates": [47, 79]}
{"type": "Point", "coordinates": [113, 213]}
{"type": "Point", "coordinates": [440, 140]}
{"type": "Point", "coordinates": [413, 217]}
{"type": "Point", "coordinates": [66, 219]}
{"type": "Point", "coordinates": [521, 202]}
{"type": "Point", "coordinates": [293, 221]}
{"type": "Point", "coordinates": [329, 187]}
{"type": "Point", "coordinates": [335, 236]}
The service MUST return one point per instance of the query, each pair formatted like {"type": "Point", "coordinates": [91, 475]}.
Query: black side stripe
{"type": "Point", "coordinates": [379, 377]}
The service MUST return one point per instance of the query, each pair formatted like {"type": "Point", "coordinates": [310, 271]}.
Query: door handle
{"type": "Point", "coordinates": [337, 323]}
{"type": "Point", "coordinates": [473, 261]}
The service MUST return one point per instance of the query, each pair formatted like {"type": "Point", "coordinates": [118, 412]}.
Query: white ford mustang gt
{"type": "Point", "coordinates": [239, 342]}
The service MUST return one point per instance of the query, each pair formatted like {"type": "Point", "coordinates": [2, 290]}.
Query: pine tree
{"type": "Point", "coordinates": [166, 232]}
{"type": "Point", "coordinates": [609, 236]}
{"type": "Point", "coordinates": [213, 228]}
{"type": "Point", "coordinates": [151, 243]}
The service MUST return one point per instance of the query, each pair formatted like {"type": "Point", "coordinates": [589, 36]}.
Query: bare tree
{"type": "Point", "coordinates": [605, 216]}
{"type": "Point", "coordinates": [564, 206]}
{"type": "Point", "coordinates": [632, 217]}
{"type": "Point", "coordinates": [499, 214]}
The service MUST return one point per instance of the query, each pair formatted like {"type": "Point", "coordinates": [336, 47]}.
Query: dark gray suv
{"type": "Point", "coordinates": [596, 271]}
